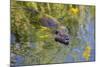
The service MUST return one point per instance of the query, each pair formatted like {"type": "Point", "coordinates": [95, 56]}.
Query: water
{"type": "Point", "coordinates": [87, 35]}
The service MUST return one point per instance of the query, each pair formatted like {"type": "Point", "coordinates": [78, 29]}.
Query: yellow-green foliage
{"type": "Point", "coordinates": [87, 52]}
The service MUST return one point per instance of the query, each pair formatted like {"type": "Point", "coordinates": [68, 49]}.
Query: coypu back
{"type": "Point", "coordinates": [49, 22]}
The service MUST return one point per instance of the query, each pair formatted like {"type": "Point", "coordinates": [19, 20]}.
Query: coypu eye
{"type": "Point", "coordinates": [56, 32]}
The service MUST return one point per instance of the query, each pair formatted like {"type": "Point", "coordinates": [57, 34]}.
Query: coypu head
{"type": "Point", "coordinates": [60, 31]}
{"type": "Point", "coordinates": [62, 37]}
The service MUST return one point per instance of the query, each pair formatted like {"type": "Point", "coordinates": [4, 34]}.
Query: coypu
{"type": "Point", "coordinates": [60, 31]}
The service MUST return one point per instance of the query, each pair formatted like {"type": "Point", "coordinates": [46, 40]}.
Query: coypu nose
{"type": "Point", "coordinates": [67, 39]}
{"type": "Point", "coordinates": [65, 42]}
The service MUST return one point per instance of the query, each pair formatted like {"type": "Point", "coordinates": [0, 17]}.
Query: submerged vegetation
{"type": "Point", "coordinates": [33, 27]}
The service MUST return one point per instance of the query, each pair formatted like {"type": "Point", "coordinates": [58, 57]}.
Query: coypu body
{"type": "Point", "coordinates": [60, 32]}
